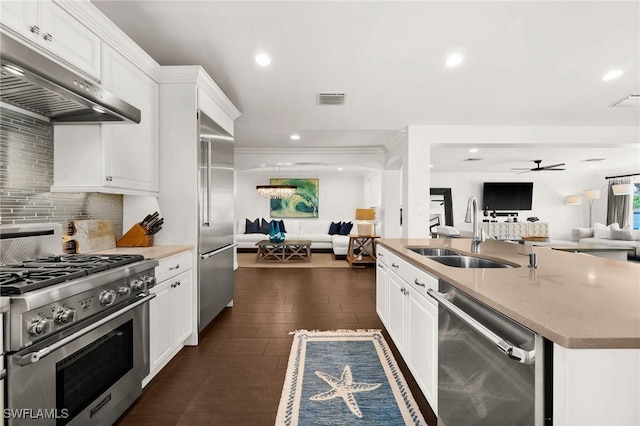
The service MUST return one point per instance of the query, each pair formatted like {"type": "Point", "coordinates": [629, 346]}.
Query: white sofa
{"type": "Point", "coordinates": [610, 235]}
{"type": "Point", "coordinates": [316, 230]}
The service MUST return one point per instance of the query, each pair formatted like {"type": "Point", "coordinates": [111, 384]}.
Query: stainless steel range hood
{"type": "Point", "coordinates": [33, 82]}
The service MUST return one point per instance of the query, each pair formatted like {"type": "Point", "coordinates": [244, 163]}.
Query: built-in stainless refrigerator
{"type": "Point", "coordinates": [216, 220]}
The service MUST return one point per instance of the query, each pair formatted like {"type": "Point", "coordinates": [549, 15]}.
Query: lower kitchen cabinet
{"type": "Point", "coordinates": [422, 344]}
{"type": "Point", "coordinates": [411, 318]}
{"type": "Point", "coordinates": [382, 302]}
{"type": "Point", "coordinates": [170, 312]}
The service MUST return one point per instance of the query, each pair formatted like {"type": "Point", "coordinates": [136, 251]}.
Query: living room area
{"type": "Point", "coordinates": [350, 180]}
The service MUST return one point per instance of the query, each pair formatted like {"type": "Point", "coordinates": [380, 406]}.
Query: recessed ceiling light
{"type": "Point", "coordinates": [295, 137]}
{"type": "Point", "coordinates": [612, 75]}
{"type": "Point", "coordinates": [454, 60]}
{"type": "Point", "coordinates": [473, 150]}
{"type": "Point", "coordinates": [263, 59]}
{"type": "Point", "coordinates": [430, 166]}
{"type": "Point", "coordinates": [340, 168]}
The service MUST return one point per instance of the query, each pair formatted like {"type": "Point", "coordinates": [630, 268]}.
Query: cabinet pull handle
{"type": "Point", "coordinates": [174, 267]}
{"type": "Point", "coordinates": [34, 29]}
{"type": "Point", "coordinates": [419, 283]}
{"type": "Point", "coordinates": [381, 254]}
{"type": "Point", "coordinates": [394, 265]}
{"type": "Point", "coordinates": [48, 37]}
{"type": "Point", "coordinates": [380, 266]}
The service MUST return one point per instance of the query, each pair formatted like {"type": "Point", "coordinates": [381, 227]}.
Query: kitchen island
{"type": "Point", "coordinates": [588, 307]}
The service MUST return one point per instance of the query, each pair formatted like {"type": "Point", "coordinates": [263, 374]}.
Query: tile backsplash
{"type": "Point", "coordinates": [26, 173]}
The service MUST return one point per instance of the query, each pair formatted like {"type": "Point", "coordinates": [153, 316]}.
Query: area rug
{"type": "Point", "coordinates": [318, 260]}
{"type": "Point", "coordinates": [345, 377]}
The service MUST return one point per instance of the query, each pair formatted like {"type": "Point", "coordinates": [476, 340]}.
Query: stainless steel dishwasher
{"type": "Point", "coordinates": [490, 368]}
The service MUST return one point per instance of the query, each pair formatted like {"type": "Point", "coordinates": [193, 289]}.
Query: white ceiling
{"type": "Point", "coordinates": [526, 63]}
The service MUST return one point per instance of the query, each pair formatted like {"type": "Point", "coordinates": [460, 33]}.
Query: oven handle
{"type": "Point", "coordinates": [512, 352]}
{"type": "Point", "coordinates": [36, 356]}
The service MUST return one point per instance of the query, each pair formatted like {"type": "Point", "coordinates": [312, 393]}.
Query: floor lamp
{"type": "Point", "coordinates": [590, 195]}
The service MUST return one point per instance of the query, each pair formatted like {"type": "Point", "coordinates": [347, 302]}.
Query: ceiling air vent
{"type": "Point", "coordinates": [331, 98]}
{"type": "Point", "coordinates": [627, 101]}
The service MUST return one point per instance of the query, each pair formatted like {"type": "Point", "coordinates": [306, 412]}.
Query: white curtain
{"type": "Point", "coordinates": [618, 206]}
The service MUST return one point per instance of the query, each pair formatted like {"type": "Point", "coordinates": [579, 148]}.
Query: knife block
{"type": "Point", "coordinates": [135, 237]}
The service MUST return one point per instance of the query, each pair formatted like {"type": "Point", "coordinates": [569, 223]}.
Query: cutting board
{"type": "Point", "coordinates": [92, 235]}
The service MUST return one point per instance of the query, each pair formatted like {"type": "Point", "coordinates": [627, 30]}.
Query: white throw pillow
{"type": "Point", "coordinates": [622, 234]}
{"type": "Point", "coordinates": [601, 231]}
{"type": "Point", "coordinates": [579, 233]}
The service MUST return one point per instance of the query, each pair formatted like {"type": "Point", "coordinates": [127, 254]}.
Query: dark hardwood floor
{"type": "Point", "coordinates": [235, 375]}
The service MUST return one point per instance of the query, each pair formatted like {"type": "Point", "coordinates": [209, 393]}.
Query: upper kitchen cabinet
{"type": "Point", "coordinates": [50, 29]}
{"type": "Point", "coordinates": [113, 158]}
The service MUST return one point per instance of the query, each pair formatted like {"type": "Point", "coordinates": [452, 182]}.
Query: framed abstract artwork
{"type": "Point", "coordinates": [303, 204]}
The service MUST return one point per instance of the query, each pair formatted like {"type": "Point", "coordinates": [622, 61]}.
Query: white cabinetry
{"type": "Point", "coordinates": [49, 28]}
{"type": "Point", "coordinates": [411, 318]}
{"type": "Point", "coordinates": [112, 158]}
{"type": "Point", "coordinates": [170, 312]}
{"type": "Point", "coordinates": [593, 387]}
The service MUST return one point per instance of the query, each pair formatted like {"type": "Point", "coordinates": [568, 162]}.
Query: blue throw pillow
{"type": "Point", "coordinates": [252, 227]}
{"type": "Point", "coordinates": [265, 226]}
{"type": "Point", "coordinates": [282, 227]}
{"type": "Point", "coordinates": [334, 228]}
{"type": "Point", "coordinates": [346, 228]}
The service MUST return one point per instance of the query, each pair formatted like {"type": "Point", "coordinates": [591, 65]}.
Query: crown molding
{"type": "Point", "coordinates": [307, 151]}
{"type": "Point", "coordinates": [399, 137]}
{"type": "Point", "coordinates": [195, 74]}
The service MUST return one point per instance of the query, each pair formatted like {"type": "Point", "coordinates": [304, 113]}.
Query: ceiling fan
{"type": "Point", "coordinates": [538, 168]}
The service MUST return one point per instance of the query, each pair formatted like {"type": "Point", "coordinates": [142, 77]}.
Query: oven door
{"type": "Point", "coordinates": [89, 376]}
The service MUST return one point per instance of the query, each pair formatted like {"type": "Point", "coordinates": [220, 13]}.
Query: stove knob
{"type": "Point", "coordinates": [40, 326]}
{"type": "Point", "coordinates": [107, 297]}
{"type": "Point", "coordinates": [124, 291]}
{"type": "Point", "coordinates": [66, 316]}
{"type": "Point", "coordinates": [137, 285]}
{"type": "Point", "coordinates": [149, 280]}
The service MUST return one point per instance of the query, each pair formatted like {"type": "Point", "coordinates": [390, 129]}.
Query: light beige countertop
{"type": "Point", "coordinates": [153, 252]}
{"type": "Point", "coordinates": [574, 300]}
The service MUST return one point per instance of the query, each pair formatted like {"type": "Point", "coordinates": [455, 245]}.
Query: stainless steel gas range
{"type": "Point", "coordinates": [76, 333]}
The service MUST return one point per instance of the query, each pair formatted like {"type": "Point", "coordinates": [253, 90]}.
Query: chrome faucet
{"type": "Point", "coordinates": [472, 217]}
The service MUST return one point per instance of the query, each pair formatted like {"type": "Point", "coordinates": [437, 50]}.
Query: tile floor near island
{"type": "Point", "coordinates": [235, 375]}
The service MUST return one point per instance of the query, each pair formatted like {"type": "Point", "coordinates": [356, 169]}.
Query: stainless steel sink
{"type": "Point", "coordinates": [431, 251]}
{"type": "Point", "coordinates": [462, 261]}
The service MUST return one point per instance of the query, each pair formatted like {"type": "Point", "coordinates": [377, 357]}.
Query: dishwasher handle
{"type": "Point", "coordinates": [513, 352]}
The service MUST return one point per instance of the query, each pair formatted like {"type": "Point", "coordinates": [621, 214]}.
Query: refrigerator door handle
{"type": "Point", "coordinates": [208, 221]}
{"type": "Point", "coordinates": [213, 253]}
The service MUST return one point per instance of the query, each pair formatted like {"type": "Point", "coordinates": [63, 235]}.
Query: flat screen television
{"type": "Point", "coordinates": [507, 195]}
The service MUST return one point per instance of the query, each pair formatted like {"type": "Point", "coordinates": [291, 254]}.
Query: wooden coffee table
{"type": "Point", "coordinates": [284, 251]}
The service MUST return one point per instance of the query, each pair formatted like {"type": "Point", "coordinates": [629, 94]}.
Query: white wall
{"type": "Point", "coordinates": [340, 194]}
{"type": "Point", "coordinates": [549, 197]}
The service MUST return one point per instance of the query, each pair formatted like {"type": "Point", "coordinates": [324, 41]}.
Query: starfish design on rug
{"type": "Point", "coordinates": [344, 388]}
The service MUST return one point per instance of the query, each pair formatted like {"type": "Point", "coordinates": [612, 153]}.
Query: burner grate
{"type": "Point", "coordinates": [111, 261]}
{"type": "Point", "coordinates": [21, 280]}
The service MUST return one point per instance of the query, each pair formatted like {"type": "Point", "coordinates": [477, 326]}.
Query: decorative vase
{"type": "Point", "coordinates": [275, 236]}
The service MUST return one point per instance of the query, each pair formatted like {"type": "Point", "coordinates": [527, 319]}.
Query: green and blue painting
{"type": "Point", "coordinates": [303, 204]}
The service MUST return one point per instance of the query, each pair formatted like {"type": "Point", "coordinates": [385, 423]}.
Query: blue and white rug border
{"type": "Point", "coordinates": [288, 409]}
